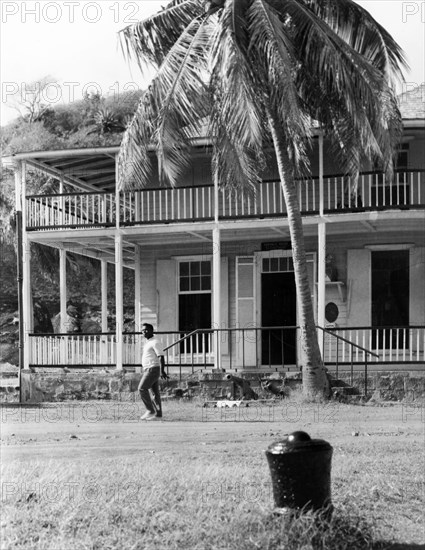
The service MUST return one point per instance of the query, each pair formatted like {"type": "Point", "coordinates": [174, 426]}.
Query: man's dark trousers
{"type": "Point", "coordinates": [150, 381]}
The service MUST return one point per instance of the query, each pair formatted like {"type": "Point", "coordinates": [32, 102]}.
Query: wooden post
{"type": "Point", "coordinates": [63, 291]}
{"type": "Point", "coordinates": [104, 294]}
{"type": "Point", "coordinates": [62, 270]}
{"type": "Point", "coordinates": [321, 196]}
{"type": "Point", "coordinates": [216, 260]}
{"type": "Point", "coordinates": [61, 202]}
{"type": "Point", "coordinates": [63, 309]}
{"type": "Point", "coordinates": [104, 310]}
{"type": "Point", "coordinates": [119, 308]}
{"type": "Point", "coordinates": [26, 275]}
{"type": "Point", "coordinates": [321, 281]}
{"type": "Point", "coordinates": [138, 305]}
{"type": "Point", "coordinates": [19, 254]}
{"type": "Point", "coordinates": [322, 250]}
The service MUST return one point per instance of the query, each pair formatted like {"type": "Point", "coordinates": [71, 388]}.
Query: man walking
{"type": "Point", "coordinates": [153, 368]}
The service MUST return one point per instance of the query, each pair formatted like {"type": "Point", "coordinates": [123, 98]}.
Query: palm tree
{"type": "Point", "coordinates": [264, 72]}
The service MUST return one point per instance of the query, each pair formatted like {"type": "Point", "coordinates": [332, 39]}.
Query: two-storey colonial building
{"type": "Point", "coordinates": [219, 262]}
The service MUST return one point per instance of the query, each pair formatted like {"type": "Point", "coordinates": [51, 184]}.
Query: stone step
{"type": "Point", "coordinates": [342, 388]}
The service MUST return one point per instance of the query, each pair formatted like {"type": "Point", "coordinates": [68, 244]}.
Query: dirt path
{"type": "Point", "coordinates": [89, 431]}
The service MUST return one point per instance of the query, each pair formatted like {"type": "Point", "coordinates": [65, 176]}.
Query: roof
{"type": "Point", "coordinates": [90, 169]}
{"type": "Point", "coordinates": [412, 103]}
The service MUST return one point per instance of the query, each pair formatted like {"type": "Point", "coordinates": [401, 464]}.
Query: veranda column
{"type": "Point", "coordinates": [63, 292]}
{"type": "Point", "coordinates": [322, 252]}
{"type": "Point", "coordinates": [216, 261]}
{"type": "Point", "coordinates": [26, 275]}
{"type": "Point", "coordinates": [138, 305]}
{"type": "Point", "coordinates": [20, 250]}
{"type": "Point", "coordinates": [119, 309]}
{"type": "Point", "coordinates": [62, 272]}
{"type": "Point", "coordinates": [321, 282]}
{"type": "Point", "coordinates": [104, 294]}
{"type": "Point", "coordinates": [104, 310]}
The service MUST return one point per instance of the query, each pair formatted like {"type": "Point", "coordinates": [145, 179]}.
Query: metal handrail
{"type": "Point", "coordinates": [353, 345]}
{"type": "Point", "coordinates": [196, 331]}
{"type": "Point", "coordinates": [183, 338]}
{"type": "Point", "coordinates": [348, 341]}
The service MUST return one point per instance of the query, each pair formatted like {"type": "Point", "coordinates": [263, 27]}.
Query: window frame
{"type": "Point", "coordinates": [190, 260]}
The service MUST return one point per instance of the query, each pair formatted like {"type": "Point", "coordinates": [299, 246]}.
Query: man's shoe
{"type": "Point", "coordinates": [148, 416]}
{"type": "Point", "coordinates": [159, 415]}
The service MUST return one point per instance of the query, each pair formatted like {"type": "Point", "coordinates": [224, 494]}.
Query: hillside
{"type": "Point", "coordinates": [93, 121]}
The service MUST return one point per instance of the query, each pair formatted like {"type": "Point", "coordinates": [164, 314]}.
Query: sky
{"type": "Point", "coordinates": [75, 43]}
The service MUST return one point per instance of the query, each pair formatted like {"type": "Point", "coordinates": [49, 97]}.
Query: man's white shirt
{"type": "Point", "coordinates": [151, 352]}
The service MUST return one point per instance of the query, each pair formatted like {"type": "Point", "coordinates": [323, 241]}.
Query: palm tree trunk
{"type": "Point", "coordinates": [315, 381]}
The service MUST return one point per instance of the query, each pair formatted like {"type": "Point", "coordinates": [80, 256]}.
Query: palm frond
{"type": "Point", "coordinates": [150, 40]}
{"type": "Point", "coordinates": [182, 94]}
{"type": "Point", "coordinates": [233, 76]}
{"type": "Point", "coordinates": [169, 112]}
{"type": "Point", "coordinates": [235, 165]}
{"type": "Point", "coordinates": [362, 32]}
{"type": "Point", "coordinates": [343, 74]}
{"type": "Point", "coordinates": [134, 159]}
{"type": "Point", "coordinates": [273, 51]}
{"type": "Point", "coordinates": [388, 129]}
{"type": "Point", "coordinates": [354, 139]}
{"type": "Point", "coordinates": [323, 52]}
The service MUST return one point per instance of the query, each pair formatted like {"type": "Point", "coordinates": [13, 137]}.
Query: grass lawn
{"type": "Point", "coordinates": [92, 476]}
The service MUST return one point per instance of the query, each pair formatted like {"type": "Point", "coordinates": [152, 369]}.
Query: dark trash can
{"type": "Point", "coordinates": [300, 469]}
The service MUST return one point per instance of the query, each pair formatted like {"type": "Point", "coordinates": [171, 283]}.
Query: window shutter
{"type": "Point", "coordinates": [166, 295]}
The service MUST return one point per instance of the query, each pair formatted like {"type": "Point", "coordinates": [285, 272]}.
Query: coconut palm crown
{"type": "Point", "coordinates": [263, 73]}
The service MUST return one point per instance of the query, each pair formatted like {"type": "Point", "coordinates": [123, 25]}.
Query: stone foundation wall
{"type": "Point", "coordinates": [38, 387]}
{"type": "Point", "coordinates": [59, 385]}
{"type": "Point", "coordinates": [390, 387]}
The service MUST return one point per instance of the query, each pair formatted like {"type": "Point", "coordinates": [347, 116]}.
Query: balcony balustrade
{"type": "Point", "coordinates": [392, 345]}
{"type": "Point", "coordinates": [196, 203]}
{"type": "Point", "coordinates": [70, 210]}
{"type": "Point", "coordinates": [60, 350]}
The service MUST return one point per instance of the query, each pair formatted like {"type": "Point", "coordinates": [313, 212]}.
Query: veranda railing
{"type": "Point", "coordinates": [72, 350]}
{"type": "Point", "coordinates": [390, 344]}
{"type": "Point", "coordinates": [196, 203]}
{"type": "Point", "coordinates": [70, 210]}
{"type": "Point", "coordinates": [352, 347]}
{"type": "Point", "coordinates": [187, 203]}
{"type": "Point", "coordinates": [240, 348]}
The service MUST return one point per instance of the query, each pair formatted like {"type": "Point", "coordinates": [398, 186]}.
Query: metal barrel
{"type": "Point", "coordinates": [300, 469]}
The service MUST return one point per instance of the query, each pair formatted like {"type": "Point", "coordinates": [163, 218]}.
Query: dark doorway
{"type": "Point", "coordinates": [390, 297]}
{"type": "Point", "coordinates": [195, 313]}
{"type": "Point", "coordinates": [278, 309]}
